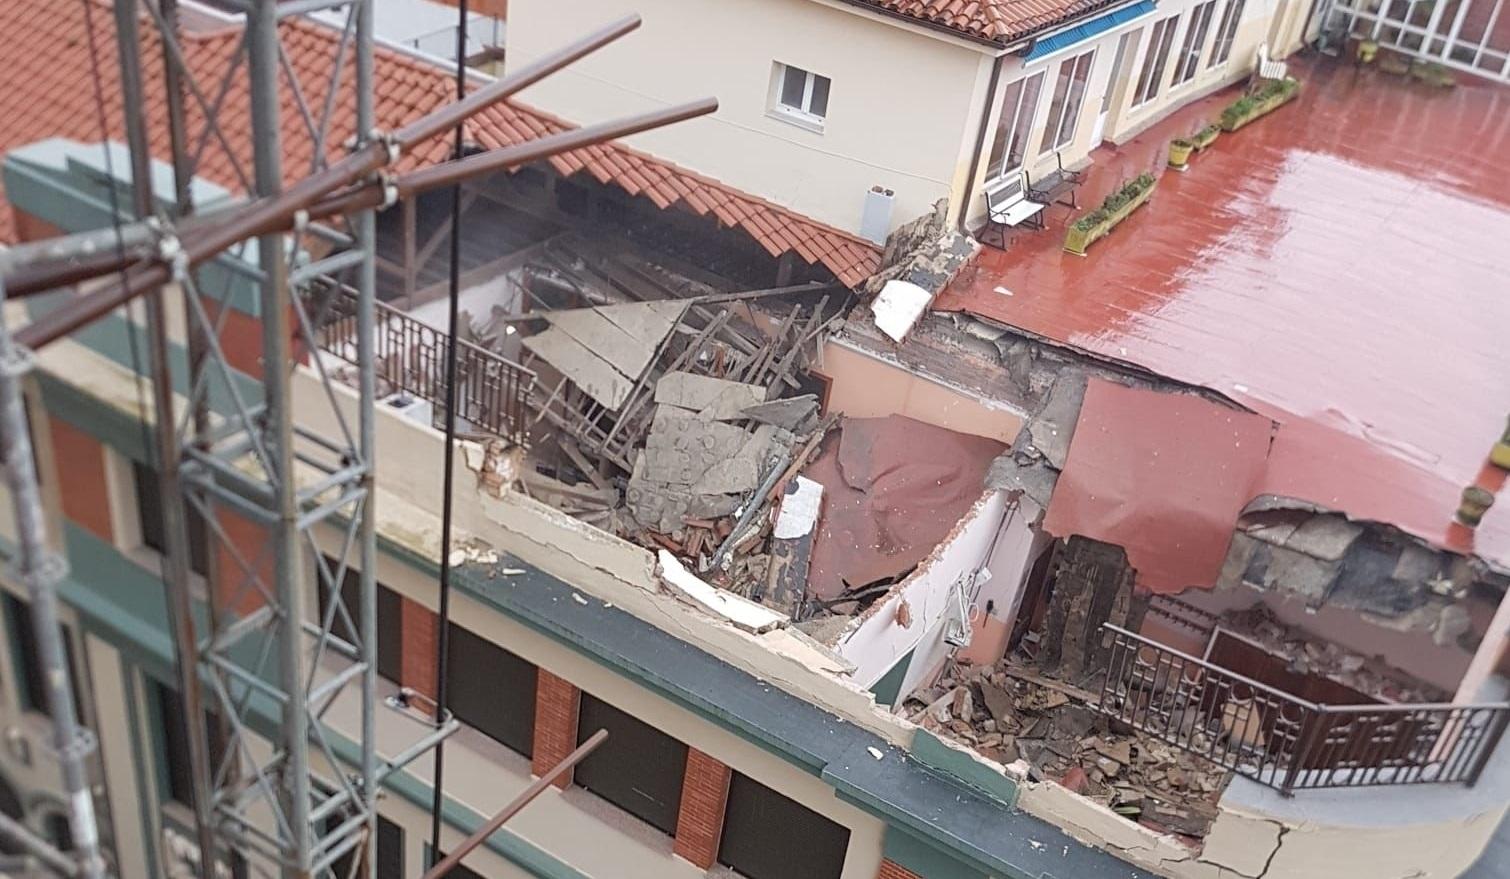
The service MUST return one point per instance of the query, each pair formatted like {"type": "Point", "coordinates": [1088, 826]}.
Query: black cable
{"type": "Point", "coordinates": [443, 638]}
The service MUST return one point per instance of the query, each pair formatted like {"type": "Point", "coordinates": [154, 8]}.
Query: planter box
{"type": "Point", "coordinates": [1076, 241]}
{"type": "Point", "coordinates": [1262, 107]}
{"type": "Point", "coordinates": [1203, 140]}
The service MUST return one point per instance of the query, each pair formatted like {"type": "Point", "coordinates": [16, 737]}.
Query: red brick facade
{"type": "Point", "coordinates": [81, 475]}
{"type": "Point", "coordinates": [700, 823]}
{"type": "Point", "coordinates": [556, 704]}
{"type": "Point", "coordinates": [892, 870]}
{"type": "Point", "coordinates": [250, 541]}
{"type": "Point", "coordinates": [417, 653]}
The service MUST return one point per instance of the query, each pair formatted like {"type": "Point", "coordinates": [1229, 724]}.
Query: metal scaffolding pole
{"type": "Point", "coordinates": [41, 570]}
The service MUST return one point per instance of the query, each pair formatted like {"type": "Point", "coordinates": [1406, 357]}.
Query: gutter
{"type": "Point", "coordinates": [1076, 22]}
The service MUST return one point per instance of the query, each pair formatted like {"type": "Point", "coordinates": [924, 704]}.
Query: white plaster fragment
{"type": "Point", "coordinates": [898, 306]}
{"type": "Point", "coordinates": [740, 611]}
{"type": "Point", "coordinates": [799, 510]}
{"type": "Point", "coordinates": [875, 752]}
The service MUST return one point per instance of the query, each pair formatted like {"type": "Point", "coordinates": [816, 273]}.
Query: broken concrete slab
{"type": "Point", "coordinates": [714, 398]}
{"type": "Point", "coordinates": [790, 413]}
{"type": "Point", "coordinates": [1054, 426]}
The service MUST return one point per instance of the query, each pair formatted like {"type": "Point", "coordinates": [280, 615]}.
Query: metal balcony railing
{"type": "Point", "coordinates": [412, 357]}
{"type": "Point", "coordinates": [1285, 742]}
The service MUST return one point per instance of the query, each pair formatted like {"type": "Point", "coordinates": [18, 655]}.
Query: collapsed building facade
{"type": "Point", "coordinates": [850, 558]}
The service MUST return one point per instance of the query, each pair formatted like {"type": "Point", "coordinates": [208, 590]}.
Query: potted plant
{"type": "Point", "coordinates": [1500, 454]}
{"type": "Point", "coordinates": [1207, 136]}
{"type": "Point", "coordinates": [1116, 208]}
{"type": "Point", "coordinates": [1261, 100]}
{"type": "Point", "coordinates": [1367, 49]}
{"type": "Point", "coordinates": [1476, 502]}
{"type": "Point", "coordinates": [1179, 153]}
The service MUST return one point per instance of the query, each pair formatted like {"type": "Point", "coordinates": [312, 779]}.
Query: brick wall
{"type": "Point", "coordinates": [417, 654]}
{"type": "Point", "coordinates": [556, 705]}
{"type": "Point", "coordinates": [250, 542]}
{"type": "Point", "coordinates": [700, 823]}
{"type": "Point", "coordinates": [83, 487]}
{"type": "Point", "coordinates": [892, 870]}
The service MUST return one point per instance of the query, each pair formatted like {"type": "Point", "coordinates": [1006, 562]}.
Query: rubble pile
{"type": "Point", "coordinates": [1009, 713]}
{"type": "Point", "coordinates": [1311, 655]}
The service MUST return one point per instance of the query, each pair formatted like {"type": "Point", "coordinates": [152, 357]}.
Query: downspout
{"type": "Point", "coordinates": [980, 141]}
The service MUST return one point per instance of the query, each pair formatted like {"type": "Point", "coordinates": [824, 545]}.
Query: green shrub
{"type": "Point", "coordinates": [1209, 131]}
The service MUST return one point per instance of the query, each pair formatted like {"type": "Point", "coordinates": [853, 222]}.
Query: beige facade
{"type": "Point", "coordinates": [901, 108]}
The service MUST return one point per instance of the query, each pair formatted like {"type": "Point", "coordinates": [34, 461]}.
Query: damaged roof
{"type": "Point", "coordinates": [1164, 476]}
{"type": "Point", "coordinates": [894, 487]}
{"type": "Point", "coordinates": [1339, 269]}
{"type": "Point", "coordinates": [47, 90]}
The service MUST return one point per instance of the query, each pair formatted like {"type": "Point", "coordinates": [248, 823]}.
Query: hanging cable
{"type": "Point", "coordinates": [443, 639]}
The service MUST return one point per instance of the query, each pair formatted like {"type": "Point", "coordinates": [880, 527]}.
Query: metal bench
{"type": "Point", "coordinates": [1008, 206]}
{"type": "Point", "coordinates": [1055, 186]}
{"type": "Point", "coordinates": [1266, 67]}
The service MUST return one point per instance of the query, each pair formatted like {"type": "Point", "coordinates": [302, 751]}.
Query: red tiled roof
{"type": "Point", "coordinates": [47, 90]}
{"type": "Point", "coordinates": [999, 21]}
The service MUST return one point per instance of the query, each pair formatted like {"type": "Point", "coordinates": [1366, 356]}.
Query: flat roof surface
{"type": "Point", "coordinates": [1342, 265]}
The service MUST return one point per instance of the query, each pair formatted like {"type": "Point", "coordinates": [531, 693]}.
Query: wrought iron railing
{"type": "Point", "coordinates": [1288, 743]}
{"type": "Point", "coordinates": [492, 389]}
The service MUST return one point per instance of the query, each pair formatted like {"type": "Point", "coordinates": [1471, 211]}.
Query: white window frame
{"type": "Point", "coordinates": [1193, 43]}
{"type": "Point", "coordinates": [1154, 83]}
{"type": "Point", "coordinates": [1226, 33]}
{"type": "Point", "coordinates": [1063, 136]}
{"type": "Point", "coordinates": [1004, 172]}
{"type": "Point", "coordinates": [802, 116]}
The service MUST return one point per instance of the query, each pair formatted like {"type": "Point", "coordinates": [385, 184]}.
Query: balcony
{"type": "Point", "coordinates": [1284, 742]}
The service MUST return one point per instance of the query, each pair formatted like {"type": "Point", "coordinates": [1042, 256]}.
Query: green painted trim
{"type": "Point", "coordinates": [89, 414]}
{"type": "Point", "coordinates": [889, 687]}
{"type": "Point", "coordinates": [148, 806]}
{"type": "Point", "coordinates": [912, 852]}
{"type": "Point", "coordinates": [928, 750]}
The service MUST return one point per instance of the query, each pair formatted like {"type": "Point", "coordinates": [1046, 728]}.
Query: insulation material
{"type": "Point", "coordinates": [894, 488]}
{"type": "Point", "coordinates": [1164, 476]}
{"type": "Point", "coordinates": [898, 306]}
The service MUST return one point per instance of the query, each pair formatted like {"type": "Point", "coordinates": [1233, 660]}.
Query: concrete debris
{"type": "Point", "coordinates": [898, 306]}
{"type": "Point", "coordinates": [1011, 713]}
{"type": "Point", "coordinates": [926, 252]}
{"type": "Point", "coordinates": [711, 398]}
{"type": "Point", "coordinates": [792, 413]}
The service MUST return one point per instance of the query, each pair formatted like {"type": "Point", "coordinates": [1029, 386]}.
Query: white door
{"type": "Point", "coordinates": [1113, 80]}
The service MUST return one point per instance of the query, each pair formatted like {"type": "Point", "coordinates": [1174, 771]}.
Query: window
{"type": "Point", "coordinates": [801, 94]}
{"type": "Point", "coordinates": [639, 768]}
{"type": "Point", "coordinates": [1160, 38]}
{"type": "Point", "coordinates": [1226, 31]}
{"type": "Point", "coordinates": [768, 836]}
{"type": "Point", "coordinates": [491, 690]}
{"type": "Point", "coordinates": [388, 858]}
{"type": "Point", "coordinates": [1064, 107]}
{"type": "Point", "coordinates": [1195, 41]}
{"type": "Point", "coordinates": [31, 684]}
{"type": "Point", "coordinates": [389, 618]}
{"type": "Point", "coordinates": [149, 511]}
{"type": "Point", "coordinates": [176, 774]}
{"type": "Point", "coordinates": [1018, 107]}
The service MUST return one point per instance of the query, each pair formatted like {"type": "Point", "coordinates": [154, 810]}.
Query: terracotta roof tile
{"type": "Point", "coordinates": [998, 21]}
{"type": "Point", "coordinates": [47, 90]}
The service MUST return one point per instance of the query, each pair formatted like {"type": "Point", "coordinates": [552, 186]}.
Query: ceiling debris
{"type": "Point", "coordinates": [605, 350]}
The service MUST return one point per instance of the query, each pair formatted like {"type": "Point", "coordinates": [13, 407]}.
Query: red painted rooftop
{"type": "Point", "coordinates": [47, 90]}
{"type": "Point", "coordinates": [999, 21]}
{"type": "Point", "coordinates": [1341, 266]}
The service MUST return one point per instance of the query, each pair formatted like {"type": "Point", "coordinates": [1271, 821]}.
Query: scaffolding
{"type": "Point", "coordinates": [275, 637]}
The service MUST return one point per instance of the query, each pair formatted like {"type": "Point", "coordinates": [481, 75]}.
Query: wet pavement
{"type": "Point", "coordinates": [1343, 262]}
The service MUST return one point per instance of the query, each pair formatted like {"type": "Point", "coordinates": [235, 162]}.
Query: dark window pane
{"type": "Point", "coordinates": [389, 618]}
{"type": "Point", "coordinates": [491, 690]}
{"type": "Point", "coordinates": [459, 871]}
{"type": "Point", "coordinates": [390, 849]}
{"type": "Point", "coordinates": [58, 831]}
{"type": "Point", "coordinates": [819, 104]}
{"type": "Point", "coordinates": [32, 684]}
{"type": "Point", "coordinates": [639, 769]}
{"type": "Point", "coordinates": [768, 836]}
{"type": "Point", "coordinates": [149, 512]}
{"type": "Point", "coordinates": [793, 83]}
{"type": "Point", "coordinates": [1009, 103]}
{"type": "Point", "coordinates": [177, 772]}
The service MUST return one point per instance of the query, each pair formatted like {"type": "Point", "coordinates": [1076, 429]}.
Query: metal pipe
{"type": "Point", "coordinates": [175, 557]}
{"type": "Point", "coordinates": [17, 832]}
{"type": "Point", "coordinates": [41, 570]}
{"type": "Point", "coordinates": [516, 805]}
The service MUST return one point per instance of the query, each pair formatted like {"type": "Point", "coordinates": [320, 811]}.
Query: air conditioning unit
{"type": "Point", "coordinates": [875, 220]}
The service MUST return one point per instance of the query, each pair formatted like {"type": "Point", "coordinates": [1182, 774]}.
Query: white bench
{"type": "Point", "coordinates": [1008, 206]}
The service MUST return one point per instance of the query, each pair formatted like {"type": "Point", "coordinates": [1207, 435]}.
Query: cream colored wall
{"type": "Point", "coordinates": [866, 387]}
{"type": "Point", "coordinates": [901, 111]}
{"type": "Point", "coordinates": [1258, 16]}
